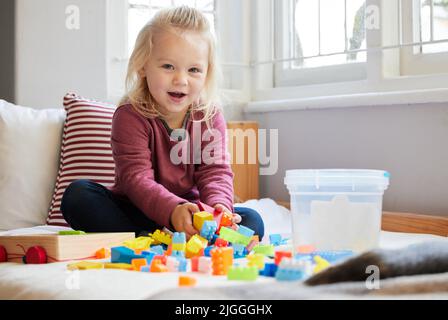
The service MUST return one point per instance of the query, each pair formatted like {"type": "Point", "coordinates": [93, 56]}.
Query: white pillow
{"type": "Point", "coordinates": [30, 142]}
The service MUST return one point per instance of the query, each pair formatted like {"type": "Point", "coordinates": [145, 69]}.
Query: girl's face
{"type": "Point", "coordinates": [176, 71]}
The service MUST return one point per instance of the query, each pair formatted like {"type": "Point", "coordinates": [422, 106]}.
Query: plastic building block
{"type": "Point", "coordinates": [305, 249]}
{"type": "Point", "coordinates": [178, 254]}
{"type": "Point", "coordinates": [185, 281]}
{"type": "Point", "coordinates": [205, 264]}
{"type": "Point", "coordinates": [71, 233]}
{"type": "Point", "coordinates": [245, 231]}
{"type": "Point", "coordinates": [122, 266]}
{"type": "Point", "coordinates": [194, 264]}
{"type": "Point", "coordinates": [172, 264]}
{"type": "Point", "coordinates": [84, 265]}
{"type": "Point", "coordinates": [233, 236]}
{"type": "Point", "coordinates": [138, 263]}
{"type": "Point", "coordinates": [102, 253]}
{"type": "Point", "coordinates": [123, 254]}
{"type": "Point", "coordinates": [200, 217]}
{"type": "Point", "coordinates": [269, 269]}
{"type": "Point", "coordinates": [195, 246]}
{"type": "Point", "coordinates": [182, 264]}
{"type": "Point", "coordinates": [320, 265]}
{"type": "Point", "coordinates": [158, 266]}
{"type": "Point", "coordinates": [221, 243]}
{"type": "Point", "coordinates": [178, 237]}
{"type": "Point", "coordinates": [140, 243]}
{"type": "Point", "coordinates": [222, 259]}
{"type": "Point", "coordinates": [291, 269]}
{"type": "Point", "coordinates": [238, 250]}
{"type": "Point", "coordinates": [264, 249]}
{"type": "Point", "coordinates": [335, 255]}
{"type": "Point", "coordinates": [146, 268]}
{"type": "Point", "coordinates": [279, 255]}
{"type": "Point", "coordinates": [157, 249]}
{"type": "Point", "coordinates": [178, 246]}
{"type": "Point", "coordinates": [275, 239]}
{"type": "Point", "coordinates": [242, 273]}
{"type": "Point", "coordinates": [208, 229]}
{"type": "Point", "coordinates": [161, 237]}
{"type": "Point", "coordinates": [226, 220]}
{"type": "Point", "coordinates": [256, 260]}
{"type": "Point", "coordinates": [148, 255]}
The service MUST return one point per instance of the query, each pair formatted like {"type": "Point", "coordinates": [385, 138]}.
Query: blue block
{"type": "Point", "coordinates": [207, 251]}
{"type": "Point", "coordinates": [213, 240]}
{"type": "Point", "coordinates": [269, 270]}
{"type": "Point", "coordinates": [208, 229]}
{"type": "Point", "coordinates": [149, 255]}
{"type": "Point", "coordinates": [245, 231]}
{"type": "Point", "coordinates": [157, 249]}
{"type": "Point", "coordinates": [178, 254]}
{"type": "Point", "coordinates": [335, 255]}
{"type": "Point", "coordinates": [123, 255]}
{"type": "Point", "coordinates": [238, 250]}
{"type": "Point", "coordinates": [275, 239]}
{"type": "Point", "coordinates": [179, 237]}
{"type": "Point", "coordinates": [145, 268]}
{"type": "Point", "coordinates": [182, 264]}
{"type": "Point", "coordinates": [289, 275]}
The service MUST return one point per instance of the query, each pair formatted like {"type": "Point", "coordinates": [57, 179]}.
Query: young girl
{"type": "Point", "coordinates": [169, 105]}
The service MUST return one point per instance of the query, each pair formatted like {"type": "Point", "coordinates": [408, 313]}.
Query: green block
{"type": "Point", "coordinates": [242, 273]}
{"type": "Point", "coordinates": [233, 236]}
{"type": "Point", "coordinates": [264, 249]}
{"type": "Point", "coordinates": [71, 233]}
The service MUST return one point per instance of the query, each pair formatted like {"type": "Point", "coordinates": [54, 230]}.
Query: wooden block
{"type": "Point", "coordinates": [62, 247]}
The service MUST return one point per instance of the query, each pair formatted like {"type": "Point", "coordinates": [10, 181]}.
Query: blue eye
{"type": "Point", "coordinates": [168, 66]}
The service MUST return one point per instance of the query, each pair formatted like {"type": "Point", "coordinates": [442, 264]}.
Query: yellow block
{"type": "Point", "coordinates": [84, 265]}
{"type": "Point", "coordinates": [124, 266]}
{"type": "Point", "coordinates": [200, 217]}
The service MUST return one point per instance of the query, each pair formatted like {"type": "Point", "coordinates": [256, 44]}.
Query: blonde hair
{"type": "Point", "coordinates": [137, 92]}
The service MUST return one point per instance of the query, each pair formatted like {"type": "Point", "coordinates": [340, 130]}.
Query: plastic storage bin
{"type": "Point", "coordinates": [336, 209]}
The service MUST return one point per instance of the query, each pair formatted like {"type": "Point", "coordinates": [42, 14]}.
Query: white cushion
{"type": "Point", "coordinates": [30, 141]}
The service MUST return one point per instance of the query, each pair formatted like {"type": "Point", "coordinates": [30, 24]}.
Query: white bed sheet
{"type": "Point", "coordinates": [54, 281]}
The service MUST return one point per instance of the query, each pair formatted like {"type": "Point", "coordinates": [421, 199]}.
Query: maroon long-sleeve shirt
{"type": "Point", "coordinates": [147, 176]}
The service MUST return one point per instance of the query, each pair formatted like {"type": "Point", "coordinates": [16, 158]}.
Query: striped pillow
{"type": "Point", "coordinates": [86, 152]}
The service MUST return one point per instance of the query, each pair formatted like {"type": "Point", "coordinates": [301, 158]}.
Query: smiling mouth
{"type": "Point", "coordinates": [177, 95]}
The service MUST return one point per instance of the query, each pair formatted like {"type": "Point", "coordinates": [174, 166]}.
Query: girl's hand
{"type": "Point", "coordinates": [236, 218]}
{"type": "Point", "coordinates": [182, 218]}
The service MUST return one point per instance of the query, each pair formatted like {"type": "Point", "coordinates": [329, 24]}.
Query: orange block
{"type": "Point", "coordinates": [279, 255]}
{"type": "Point", "coordinates": [169, 250]}
{"type": "Point", "coordinates": [194, 264]}
{"type": "Point", "coordinates": [306, 249]}
{"type": "Point", "coordinates": [102, 253]}
{"type": "Point", "coordinates": [222, 260]}
{"type": "Point", "coordinates": [157, 266]}
{"type": "Point", "coordinates": [185, 281]}
{"type": "Point", "coordinates": [138, 263]}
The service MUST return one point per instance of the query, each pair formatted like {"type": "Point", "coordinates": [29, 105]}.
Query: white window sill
{"type": "Point", "coordinates": [438, 95]}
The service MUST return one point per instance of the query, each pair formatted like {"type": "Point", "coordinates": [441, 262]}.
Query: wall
{"type": "Point", "coordinates": [7, 31]}
{"type": "Point", "coordinates": [51, 59]}
{"type": "Point", "coordinates": [409, 141]}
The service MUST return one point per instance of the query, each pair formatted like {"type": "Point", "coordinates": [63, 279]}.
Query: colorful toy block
{"type": "Point", "coordinates": [305, 249]}
{"type": "Point", "coordinates": [140, 243]}
{"type": "Point", "coordinates": [208, 229]}
{"type": "Point", "coordinates": [292, 270]}
{"type": "Point", "coordinates": [178, 254]}
{"type": "Point", "coordinates": [238, 250]}
{"type": "Point", "coordinates": [275, 239]}
{"type": "Point", "coordinates": [222, 259]}
{"type": "Point", "coordinates": [161, 237]}
{"type": "Point", "coordinates": [138, 263]}
{"type": "Point", "coordinates": [148, 255]}
{"type": "Point", "coordinates": [242, 273]}
{"type": "Point", "coordinates": [245, 231]}
{"type": "Point", "coordinates": [179, 237]}
{"type": "Point", "coordinates": [123, 254]}
{"type": "Point", "coordinates": [157, 249]}
{"type": "Point", "coordinates": [185, 281]}
{"type": "Point", "coordinates": [279, 255]}
{"type": "Point", "coordinates": [172, 264]}
{"type": "Point", "coordinates": [226, 220]}
{"type": "Point", "coordinates": [320, 265]}
{"type": "Point", "coordinates": [205, 264]}
{"type": "Point", "coordinates": [269, 269]}
{"type": "Point", "coordinates": [195, 246]}
{"type": "Point", "coordinates": [200, 217]}
{"type": "Point", "coordinates": [233, 236]}
{"type": "Point", "coordinates": [84, 265]}
{"type": "Point", "coordinates": [335, 256]}
{"type": "Point", "coordinates": [182, 264]}
{"type": "Point", "coordinates": [102, 253]}
{"type": "Point", "coordinates": [158, 266]}
{"type": "Point", "coordinates": [221, 243]}
{"type": "Point", "coordinates": [264, 249]}
{"type": "Point", "coordinates": [122, 266]}
{"type": "Point", "coordinates": [256, 260]}
{"type": "Point", "coordinates": [194, 264]}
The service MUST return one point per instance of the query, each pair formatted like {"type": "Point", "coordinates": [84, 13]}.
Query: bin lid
{"type": "Point", "coordinates": [337, 177]}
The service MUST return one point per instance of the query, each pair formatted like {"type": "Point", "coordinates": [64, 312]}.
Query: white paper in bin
{"type": "Point", "coordinates": [343, 225]}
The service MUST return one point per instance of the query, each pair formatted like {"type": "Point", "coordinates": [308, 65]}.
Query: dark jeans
{"type": "Point", "coordinates": [91, 207]}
